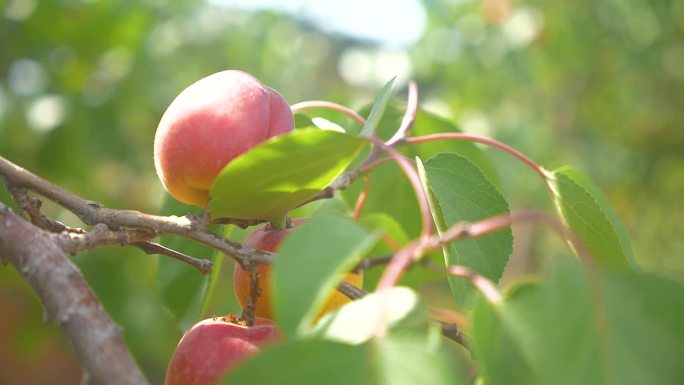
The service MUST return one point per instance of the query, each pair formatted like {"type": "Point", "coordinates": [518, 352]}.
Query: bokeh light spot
{"type": "Point", "coordinates": [46, 112]}
{"type": "Point", "coordinates": [26, 77]}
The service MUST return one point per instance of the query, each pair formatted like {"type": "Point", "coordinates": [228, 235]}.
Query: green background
{"type": "Point", "coordinates": [599, 85]}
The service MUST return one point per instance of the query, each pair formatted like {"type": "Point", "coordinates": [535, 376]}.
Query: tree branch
{"type": "Point", "coordinates": [368, 263]}
{"type": "Point", "coordinates": [99, 235]}
{"type": "Point", "coordinates": [68, 300]}
{"type": "Point", "coordinates": [92, 213]}
{"type": "Point", "coordinates": [31, 206]}
{"type": "Point", "coordinates": [203, 265]}
{"type": "Point", "coordinates": [74, 244]}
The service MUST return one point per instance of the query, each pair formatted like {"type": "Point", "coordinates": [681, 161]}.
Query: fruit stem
{"type": "Point", "coordinates": [413, 178]}
{"type": "Point", "coordinates": [362, 198]}
{"type": "Point", "coordinates": [254, 293]}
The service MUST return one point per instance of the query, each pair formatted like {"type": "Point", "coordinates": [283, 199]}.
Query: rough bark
{"type": "Point", "coordinates": [68, 301]}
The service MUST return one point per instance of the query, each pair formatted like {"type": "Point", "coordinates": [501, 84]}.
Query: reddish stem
{"type": "Point", "coordinates": [313, 104]}
{"type": "Point", "coordinates": [484, 140]}
{"type": "Point", "coordinates": [414, 179]}
{"type": "Point", "coordinates": [404, 257]}
{"type": "Point", "coordinates": [482, 283]}
{"type": "Point", "coordinates": [397, 265]}
{"type": "Point", "coordinates": [362, 198]}
{"type": "Point", "coordinates": [409, 116]}
{"type": "Point", "coordinates": [390, 242]}
{"type": "Point", "coordinates": [365, 168]}
{"type": "Point", "coordinates": [500, 222]}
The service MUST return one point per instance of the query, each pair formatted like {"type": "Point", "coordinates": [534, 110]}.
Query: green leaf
{"type": "Point", "coordinates": [303, 121]}
{"type": "Point", "coordinates": [584, 327]}
{"type": "Point", "coordinates": [389, 228]}
{"type": "Point", "coordinates": [409, 359]}
{"type": "Point", "coordinates": [181, 287]}
{"type": "Point", "coordinates": [646, 338]}
{"type": "Point", "coordinates": [335, 205]}
{"type": "Point", "coordinates": [588, 213]}
{"type": "Point", "coordinates": [217, 276]}
{"type": "Point", "coordinates": [400, 203]}
{"type": "Point", "coordinates": [318, 362]}
{"type": "Point", "coordinates": [459, 191]}
{"type": "Point", "coordinates": [357, 321]}
{"type": "Point", "coordinates": [393, 360]}
{"type": "Point", "coordinates": [391, 231]}
{"type": "Point", "coordinates": [310, 263]}
{"type": "Point", "coordinates": [377, 110]}
{"type": "Point", "coordinates": [281, 173]}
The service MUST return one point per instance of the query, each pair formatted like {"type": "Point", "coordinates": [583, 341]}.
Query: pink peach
{"type": "Point", "coordinates": [212, 347]}
{"type": "Point", "coordinates": [210, 123]}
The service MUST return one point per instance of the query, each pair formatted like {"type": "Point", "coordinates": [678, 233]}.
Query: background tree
{"type": "Point", "coordinates": [83, 85]}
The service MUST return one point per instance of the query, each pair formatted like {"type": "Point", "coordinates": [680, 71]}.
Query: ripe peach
{"type": "Point", "coordinates": [209, 124]}
{"type": "Point", "coordinates": [212, 347]}
{"type": "Point", "coordinates": [267, 238]}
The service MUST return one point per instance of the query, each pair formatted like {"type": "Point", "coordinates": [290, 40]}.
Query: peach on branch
{"type": "Point", "coordinates": [268, 238]}
{"type": "Point", "coordinates": [212, 347]}
{"type": "Point", "coordinates": [209, 124]}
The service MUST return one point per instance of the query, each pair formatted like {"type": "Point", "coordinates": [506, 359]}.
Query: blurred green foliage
{"type": "Point", "coordinates": [599, 85]}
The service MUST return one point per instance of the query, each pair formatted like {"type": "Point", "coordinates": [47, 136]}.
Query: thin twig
{"type": "Point", "coordinates": [409, 116]}
{"type": "Point", "coordinates": [499, 222]}
{"type": "Point", "coordinates": [412, 175]}
{"type": "Point", "coordinates": [31, 206]}
{"type": "Point", "coordinates": [367, 167]}
{"type": "Point", "coordinates": [400, 262]}
{"type": "Point", "coordinates": [351, 291]}
{"type": "Point", "coordinates": [453, 332]}
{"type": "Point", "coordinates": [362, 198]}
{"type": "Point", "coordinates": [203, 265]}
{"type": "Point", "coordinates": [414, 251]}
{"type": "Point", "coordinates": [368, 263]}
{"type": "Point", "coordinates": [342, 182]}
{"type": "Point", "coordinates": [483, 284]}
{"type": "Point", "coordinates": [451, 316]}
